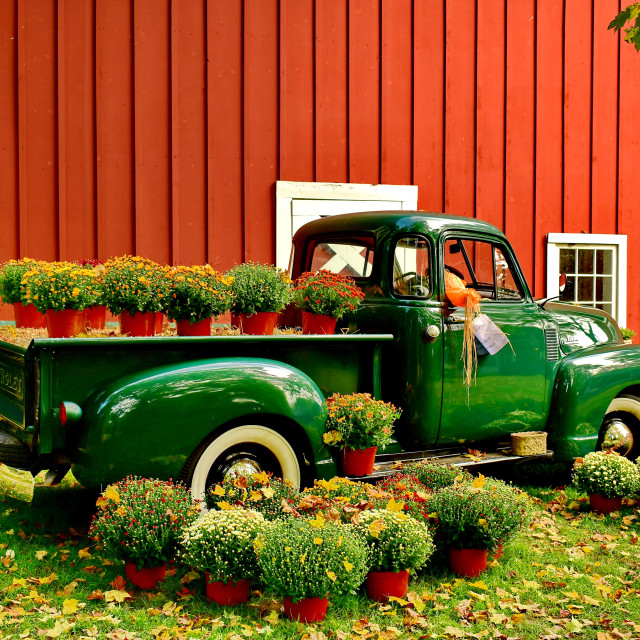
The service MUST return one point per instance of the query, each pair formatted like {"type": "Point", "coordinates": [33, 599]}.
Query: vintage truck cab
{"type": "Point", "coordinates": [198, 408]}
{"type": "Point", "coordinates": [565, 370]}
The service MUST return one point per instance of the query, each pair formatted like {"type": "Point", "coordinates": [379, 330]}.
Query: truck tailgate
{"type": "Point", "coordinates": [13, 387]}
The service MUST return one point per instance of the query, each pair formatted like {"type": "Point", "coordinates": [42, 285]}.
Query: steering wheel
{"type": "Point", "coordinates": [413, 283]}
{"type": "Point", "coordinates": [455, 271]}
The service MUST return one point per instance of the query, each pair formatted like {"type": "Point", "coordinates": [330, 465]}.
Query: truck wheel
{"type": "Point", "coordinates": [621, 427]}
{"type": "Point", "coordinates": [244, 450]}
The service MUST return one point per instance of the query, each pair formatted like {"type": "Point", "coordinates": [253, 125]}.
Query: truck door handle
{"type": "Point", "coordinates": [453, 320]}
{"type": "Point", "coordinates": [431, 333]}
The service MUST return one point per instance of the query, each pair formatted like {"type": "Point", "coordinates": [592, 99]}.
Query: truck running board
{"type": "Point", "coordinates": [386, 464]}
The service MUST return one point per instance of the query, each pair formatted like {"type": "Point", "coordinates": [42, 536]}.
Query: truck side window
{"type": "Point", "coordinates": [347, 256]}
{"type": "Point", "coordinates": [411, 268]}
{"type": "Point", "coordinates": [483, 266]}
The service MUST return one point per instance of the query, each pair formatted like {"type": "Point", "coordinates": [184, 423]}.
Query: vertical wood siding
{"type": "Point", "coordinates": [159, 127]}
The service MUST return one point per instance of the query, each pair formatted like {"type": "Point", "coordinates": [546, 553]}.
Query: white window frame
{"type": "Point", "coordinates": [557, 241]}
{"type": "Point", "coordinates": [386, 196]}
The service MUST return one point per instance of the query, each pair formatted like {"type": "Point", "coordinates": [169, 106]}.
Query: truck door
{"type": "Point", "coordinates": [509, 390]}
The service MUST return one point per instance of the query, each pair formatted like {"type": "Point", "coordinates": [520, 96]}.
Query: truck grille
{"type": "Point", "coordinates": [552, 341]}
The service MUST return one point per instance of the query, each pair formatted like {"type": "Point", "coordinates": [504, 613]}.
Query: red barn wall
{"type": "Point", "coordinates": [159, 127]}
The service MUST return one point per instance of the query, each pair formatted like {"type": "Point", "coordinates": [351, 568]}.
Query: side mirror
{"type": "Point", "coordinates": [562, 282]}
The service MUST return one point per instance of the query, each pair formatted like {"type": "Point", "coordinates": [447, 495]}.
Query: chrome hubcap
{"type": "Point", "coordinates": [242, 467]}
{"type": "Point", "coordinates": [618, 436]}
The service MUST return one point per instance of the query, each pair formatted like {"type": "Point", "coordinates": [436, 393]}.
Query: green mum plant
{"type": "Point", "coordinates": [481, 515]}
{"type": "Point", "coordinates": [141, 520]}
{"type": "Point", "coordinates": [134, 284]}
{"type": "Point", "coordinates": [196, 293]}
{"type": "Point", "coordinates": [258, 491]}
{"type": "Point", "coordinates": [606, 473]}
{"type": "Point", "coordinates": [358, 421]}
{"type": "Point", "coordinates": [396, 541]}
{"type": "Point", "coordinates": [60, 285]}
{"type": "Point", "coordinates": [11, 274]}
{"type": "Point", "coordinates": [434, 475]}
{"type": "Point", "coordinates": [259, 287]}
{"type": "Point", "coordinates": [311, 558]}
{"type": "Point", "coordinates": [221, 543]}
{"type": "Point", "coordinates": [325, 293]}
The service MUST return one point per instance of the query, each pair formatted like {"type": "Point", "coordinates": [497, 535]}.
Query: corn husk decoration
{"type": "Point", "coordinates": [460, 296]}
{"type": "Point", "coordinates": [16, 483]}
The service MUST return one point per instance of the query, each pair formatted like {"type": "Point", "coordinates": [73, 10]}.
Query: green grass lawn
{"type": "Point", "coordinates": [573, 574]}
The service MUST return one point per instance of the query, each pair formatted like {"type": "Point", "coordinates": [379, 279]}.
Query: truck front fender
{"type": "Point", "coordinates": [151, 422]}
{"type": "Point", "coordinates": [584, 387]}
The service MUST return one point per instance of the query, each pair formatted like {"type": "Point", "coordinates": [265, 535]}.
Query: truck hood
{"type": "Point", "coordinates": [582, 327]}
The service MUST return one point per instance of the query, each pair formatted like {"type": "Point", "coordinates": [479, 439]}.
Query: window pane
{"type": "Point", "coordinates": [567, 261]}
{"type": "Point", "coordinates": [604, 289]}
{"type": "Point", "coordinates": [605, 307]}
{"type": "Point", "coordinates": [411, 269]}
{"type": "Point", "coordinates": [568, 295]}
{"type": "Point", "coordinates": [347, 257]}
{"type": "Point", "coordinates": [604, 261]}
{"type": "Point", "coordinates": [585, 261]}
{"type": "Point", "coordinates": [585, 289]}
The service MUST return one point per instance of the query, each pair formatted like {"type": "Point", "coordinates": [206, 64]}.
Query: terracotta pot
{"type": "Point", "coordinates": [358, 462]}
{"type": "Point", "coordinates": [601, 504]}
{"type": "Point", "coordinates": [147, 577]}
{"type": "Point", "coordinates": [198, 328]}
{"type": "Point", "coordinates": [65, 323]}
{"type": "Point", "coordinates": [312, 323]}
{"type": "Point", "coordinates": [159, 322]}
{"type": "Point", "coordinates": [227, 593]}
{"type": "Point", "coordinates": [138, 324]}
{"type": "Point", "coordinates": [28, 317]}
{"type": "Point", "coordinates": [96, 317]}
{"type": "Point", "coordinates": [258, 324]}
{"type": "Point", "coordinates": [306, 610]}
{"type": "Point", "coordinates": [382, 584]}
{"type": "Point", "coordinates": [468, 563]}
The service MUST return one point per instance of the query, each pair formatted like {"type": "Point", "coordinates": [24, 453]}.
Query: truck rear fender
{"type": "Point", "coordinates": [152, 422]}
{"type": "Point", "coordinates": [584, 387]}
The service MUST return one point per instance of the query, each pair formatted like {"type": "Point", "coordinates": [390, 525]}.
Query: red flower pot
{"type": "Point", "coordinates": [138, 323]}
{"type": "Point", "coordinates": [96, 317]}
{"type": "Point", "coordinates": [306, 610]}
{"type": "Point", "coordinates": [198, 328]}
{"type": "Point", "coordinates": [601, 504]}
{"type": "Point", "coordinates": [317, 323]}
{"type": "Point", "coordinates": [159, 322]}
{"type": "Point", "coordinates": [358, 462]}
{"type": "Point", "coordinates": [28, 317]}
{"type": "Point", "coordinates": [258, 324]}
{"type": "Point", "coordinates": [147, 577]}
{"type": "Point", "coordinates": [65, 323]}
{"type": "Point", "coordinates": [468, 563]}
{"type": "Point", "coordinates": [382, 584]}
{"type": "Point", "coordinates": [227, 593]}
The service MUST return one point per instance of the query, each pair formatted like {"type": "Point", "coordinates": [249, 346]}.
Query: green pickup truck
{"type": "Point", "coordinates": [197, 408]}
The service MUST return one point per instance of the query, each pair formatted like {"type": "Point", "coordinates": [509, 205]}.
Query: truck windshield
{"type": "Point", "coordinates": [347, 256]}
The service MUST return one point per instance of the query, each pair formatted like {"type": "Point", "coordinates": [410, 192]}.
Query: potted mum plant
{"type": "Point", "coordinates": [397, 544]}
{"type": "Point", "coordinates": [135, 289]}
{"type": "Point", "coordinates": [305, 561]}
{"type": "Point", "coordinates": [358, 424]}
{"type": "Point", "coordinates": [140, 521]}
{"type": "Point", "coordinates": [259, 491]}
{"type": "Point", "coordinates": [473, 520]}
{"type": "Point", "coordinates": [194, 296]}
{"type": "Point", "coordinates": [324, 297]}
{"type": "Point", "coordinates": [261, 291]}
{"type": "Point", "coordinates": [96, 314]}
{"type": "Point", "coordinates": [220, 543]}
{"type": "Point", "coordinates": [11, 292]}
{"type": "Point", "coordinates": [607, 477]}
{"type": "Point", "coordinates": [61, 290]}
